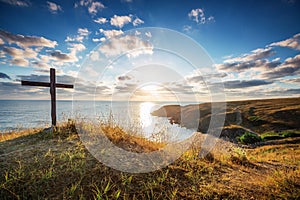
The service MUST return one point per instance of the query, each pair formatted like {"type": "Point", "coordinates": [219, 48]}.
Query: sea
{"type": "Point", "coordinates": [26, 114]}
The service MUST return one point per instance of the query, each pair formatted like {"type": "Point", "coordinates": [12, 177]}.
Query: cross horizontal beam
{"type": "Point", "coordinates": [53, 85]}
{"type": "Point", "coordinates": [44, 84]}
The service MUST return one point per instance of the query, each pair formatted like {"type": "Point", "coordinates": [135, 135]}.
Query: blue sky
{"type": "Point", "coordinates": [254, 44]}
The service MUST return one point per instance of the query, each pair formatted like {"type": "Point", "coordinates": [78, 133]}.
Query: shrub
{"type": "Point", "coordinates": [249, 138]}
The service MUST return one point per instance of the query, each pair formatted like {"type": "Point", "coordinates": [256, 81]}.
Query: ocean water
{"type": "Point", "coordinates": [24, 114]}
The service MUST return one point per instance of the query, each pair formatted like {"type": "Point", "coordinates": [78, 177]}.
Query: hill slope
{"type": "Point", "coordinates": [45, 165]}
{"type": "Point", "coordinates": [257, 116]}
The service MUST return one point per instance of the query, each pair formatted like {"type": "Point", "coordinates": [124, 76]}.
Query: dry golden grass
{"type": "Point", "coordinates": [57, 166]}
{"type": "Point", "coordinates": [129, 142]}
{"type": "Point", "coordinates": [14, 134]}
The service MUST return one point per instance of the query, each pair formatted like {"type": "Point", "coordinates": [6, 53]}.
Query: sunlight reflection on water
{"type": "Point", "coordinates": [145, 116]}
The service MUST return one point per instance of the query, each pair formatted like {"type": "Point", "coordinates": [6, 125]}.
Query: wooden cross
{"type": "Point", "coordinates": [53, 85]}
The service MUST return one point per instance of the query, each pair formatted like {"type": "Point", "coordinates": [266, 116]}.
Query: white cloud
{"type": "Point", "coordinates": [148, 34]}
{"type": "Point", "coordinates": [137, 32]}
{"type": "Point", "coordinates": [53, 7]}
{"type": "Point", "coordinates": [92, 6]}
{"type": "Point", "coordinates": [137, 22]}
{"type": "Point", "coordinates": [44, 58]}
{"type": "Point", "coordinates": [19, 3]}
{"type": "Point", "coordinates": [70, 39]}
{"type": "Point", "coordinates": [19, 56]}
{"type": "Point", "coordinates": [254, 55]}
{"type": "Point", "coordinates": [41, 66]}
{"type": "Point", "coordinates": [101, 20]}
{"type": "Point", "coordinates": [290, 67]}
{"type": "Point", "coordinates": [256, 59]}
{"type": "Point", "coordinates": [82, 33]}
{"type": "Point", "coordinates": [77, 47]}
{"type": "Point", "coordinates": [26, 41]}
{"type": "Point", "coordinates": [84, 2]}
{"type": "Point", "coordinates": [187, 28]}
{"type": "Point", "coordinates": [62, 57]}
{"type": "Point", "coordinates": [20, 62]}
{"type": "Point", "coordinates": [293, 43]}
{"type": "Point", "coordinates": [95, 7]}
{"type": "Point", "coordinates": [99, 39]}
{"type": "Point", "coordinates": [72, 73]}
{"type": "Point", "coordinates": [120, 21]}
{"type": "Point", "coordinates": [125, 44]}
{"type": "Point", "coordinates": [197, 15]}
{"type": "Point", "coordinates": [111, 33]}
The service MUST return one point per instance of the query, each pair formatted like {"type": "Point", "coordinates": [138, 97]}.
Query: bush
{"type": "Point", "coordinates": [249, 138]}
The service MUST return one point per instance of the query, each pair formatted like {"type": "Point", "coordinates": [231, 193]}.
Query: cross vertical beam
{"type": "Point", "coordinates": [53, 85]}
{"type": "Point", "coordinates": [53, 96]}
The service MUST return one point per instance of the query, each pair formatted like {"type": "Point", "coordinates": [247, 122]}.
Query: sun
{"type": "Point", "coordinates": [150, 88]}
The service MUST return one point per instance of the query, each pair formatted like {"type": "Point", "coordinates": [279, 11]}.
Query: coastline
{"type": "Point", "coordinates": [255, 116]}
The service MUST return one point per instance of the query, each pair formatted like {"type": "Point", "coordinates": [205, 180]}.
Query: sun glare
{"type": "Point", "coordinates": [150, 88]}
{"type": "Point", "coordinates": [145, 117]}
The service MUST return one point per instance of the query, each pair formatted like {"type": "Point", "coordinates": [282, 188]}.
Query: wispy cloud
{"type": "Point", "coordinates": [293, 43]}
{"type": "Point", "coordinates": [53, 7]}
{"type": "Point", "coordinates": [18, 56]}
{"type": "Point", "coordinates": [124, 78]}
{"type": "Point", "coordinates": [59, 56]}
{"type": "Point", "coordinates": [291, 81]}
{"type": "Point", "coordinates": [256, 54]}
{"type": "Point", "coordinates": [92, 6]}
{"type": "Point", "coordinates": [187, 28]}
{"type": "Point", "coordinates": [256, 59]}
{"type": "Point", "coordinates": [258, 74]}
{"type": "Point", "coordinates": [290, 67]}
{"type": "Point", "coordinates": [20, 3]}
{"type": "Point", "coordinates": [20, 53]}
{"type": "Point", "coordinates": [82, 33]}
{"type": "Point", "coordinates": [26, 41]}
{"type": "Point", "coordinates": [20, 62]}
{"type": "Point", "coordinates": [245, 83]}
{"type": "Point", "coordinates": [137, 21]}
{"type": "Point", "coordinates": [101, 20]}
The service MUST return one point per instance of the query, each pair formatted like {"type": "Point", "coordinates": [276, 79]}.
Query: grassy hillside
{"type": "Point", "coordinates": [43, 165]}
{"type": "Point", "coordinates": [269, 117]}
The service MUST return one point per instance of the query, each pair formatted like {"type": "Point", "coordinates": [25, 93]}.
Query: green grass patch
{"type": "Point", "coordinates": [280, 135]}
{"type": "Point", "coordinates": [254, 118]}
{"type": "Point", "coordinates": [249, 138]}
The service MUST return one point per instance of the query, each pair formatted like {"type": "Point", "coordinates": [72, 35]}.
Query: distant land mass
{"type": "Point", "coordinates": [259, 117]}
